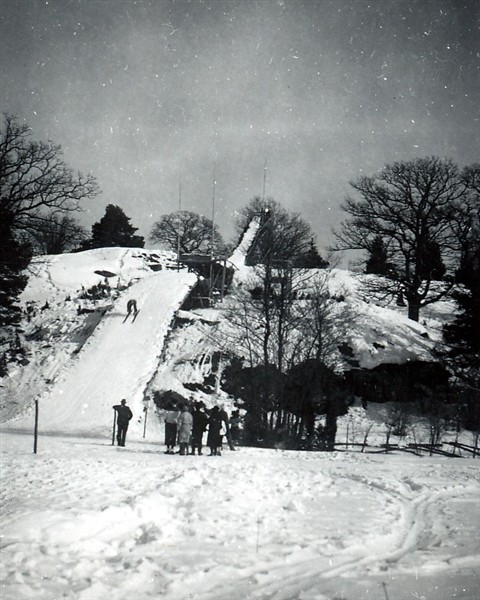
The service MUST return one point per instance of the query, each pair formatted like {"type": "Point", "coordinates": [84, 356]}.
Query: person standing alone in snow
{"type": "Point", "coordinates": [124, 414]}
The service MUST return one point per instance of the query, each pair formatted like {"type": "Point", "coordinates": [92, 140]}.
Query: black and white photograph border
{"type": "Point", "coordinates": [239, 299]}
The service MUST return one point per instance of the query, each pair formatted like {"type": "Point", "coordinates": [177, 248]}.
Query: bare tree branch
{"type": "Point", "coordinates": [35, 181]}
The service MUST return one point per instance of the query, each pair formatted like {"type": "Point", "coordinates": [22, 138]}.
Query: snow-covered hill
{"type": "Point", "coordinates": [83, 355]}
{"type": "Point", "coordinates": [82, 358]}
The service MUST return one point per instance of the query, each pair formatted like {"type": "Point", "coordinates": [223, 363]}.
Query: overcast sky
{"type": "Point", "coordinates": [137, 92]}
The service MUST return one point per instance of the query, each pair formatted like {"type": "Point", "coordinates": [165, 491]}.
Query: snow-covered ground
{"type": "Point", "coordinates": [84, 520]}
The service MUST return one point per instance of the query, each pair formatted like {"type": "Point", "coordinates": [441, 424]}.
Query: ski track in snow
{"type": "Point", "coordinates": [87, 521]}
{"type": "Point", "coordinates": [117, 361]}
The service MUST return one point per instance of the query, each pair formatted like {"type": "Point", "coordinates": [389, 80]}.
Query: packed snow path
{"type": "Point", "coordinates": [117, 361]}
{"type": "Point", "coordinates": [87, 521]}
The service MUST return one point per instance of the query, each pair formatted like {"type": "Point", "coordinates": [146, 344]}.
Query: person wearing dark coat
{"type": "Point", "coordinates": [171, 418]}
{"type": "Point", "coordinates": [200, 422]}
{"type": "Point", "coordinates": [214, 438]}
{"type": "Point", "coordinates": [132, 306]}
{"type": "Point", "coordinates": [235, 421]}
{"type": "Point", "coordinates": [124, 415]}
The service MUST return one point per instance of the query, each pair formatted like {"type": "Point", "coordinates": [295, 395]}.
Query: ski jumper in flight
{"type": "Point", "coordinates": [132, 305]}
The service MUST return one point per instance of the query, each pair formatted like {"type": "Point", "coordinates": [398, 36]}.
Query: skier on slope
{"type": "Point", "coordinates": [124, 415]}
{"type": "Point", "coordinates": [132, 305]}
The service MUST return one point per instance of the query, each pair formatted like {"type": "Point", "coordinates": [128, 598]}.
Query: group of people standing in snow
{"type": "Point", "coordinates": [186, 426]}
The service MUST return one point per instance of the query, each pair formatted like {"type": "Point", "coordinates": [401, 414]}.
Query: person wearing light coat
{"type": "Point", "coordinates": [185, 423]}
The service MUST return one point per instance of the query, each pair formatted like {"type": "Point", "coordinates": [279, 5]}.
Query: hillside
{"type": "Point", "coordinates": [81, 358]}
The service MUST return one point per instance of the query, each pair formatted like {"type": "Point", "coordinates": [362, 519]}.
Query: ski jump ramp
{"type": "Point", "coordinates": [118, 361]}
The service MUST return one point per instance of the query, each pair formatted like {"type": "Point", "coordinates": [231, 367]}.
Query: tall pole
{"type": "Point", "coordinates": [145, 410]}
{"type": "Point", "coordinates": [114, 423]}
{"type": "Point", "coordinates": [224, 272]}
{"type": "Point", "coordinates": [35, 431]}
{"type": "Point", "coordinates": [264, 183]}
{"type": "Point", "coordinates": [212, 233]}
{"type": "Point", "coordinates": [179, 218]}
{"type": "Point", "coordinates": [213, 210]}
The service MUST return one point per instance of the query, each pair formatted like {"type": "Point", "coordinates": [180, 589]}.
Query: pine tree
{"type": "Point", "coordinates": [14, 258]}
{"type": "Point", "coordinates": [430, 263]}
{"type": "Point", "coordinates": [463, 336]}
{"type": "Point", "coordinates": [464, 332]}
{"type": "Point", "coordinates": [377, 263]}
{"type": "Point", "coordinates": [114, 229]}
{"type": "Point", "coordinates": [311, 259]}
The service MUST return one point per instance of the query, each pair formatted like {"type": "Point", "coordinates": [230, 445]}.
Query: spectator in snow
{"type": "Point", "coordinates": [214, 438]}
{"type": "Point", "coordinates": [124, 415]}
{"type": "Point", "coordinates": [132, 305]}
{"type": "Point", "coordinates": [200, 422]}
{"type": "Point", "coordinates": [171, 417]}
{"type": "Point", "coordinates": [235, 425]}
{"type": "Point", "coordinates": [185, 422]}
{"type": "Point", "coordinates": [226, 426]}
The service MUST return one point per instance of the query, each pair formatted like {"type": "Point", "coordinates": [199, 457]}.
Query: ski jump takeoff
{"type": "Point", "coordinates": [131, 306]}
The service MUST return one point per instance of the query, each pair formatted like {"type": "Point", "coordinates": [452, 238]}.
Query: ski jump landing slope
{"type": "Point", "coordinates": [118, 361]}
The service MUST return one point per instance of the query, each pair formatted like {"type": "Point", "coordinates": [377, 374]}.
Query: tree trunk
{"type": "Point", "coordinates": [330, 429]}
{"type": "Point", "coordinates": [414, 310]}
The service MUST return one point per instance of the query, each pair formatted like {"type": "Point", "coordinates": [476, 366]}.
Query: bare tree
{"type": "Point", "coordinates": [35, 186]}
{"type": "Point", "coordinates": [187, 232]}
{"type": "Point", "coordinates": [414, 207]}
{"type": "Point", "coordinates": [281, 318]}
{"type": "Point", "coordinates": [466, 222]}
{"type": "Point", "coordinates": [59, 234]}
{"type": "Point", "coordinates": [282, 235]}
{"type": "Point", "coordinates": [35, 182]}
{"type": "Point", "coordinates": [320, 324]}
{"type": "Point", "coordinates": [264, 315]}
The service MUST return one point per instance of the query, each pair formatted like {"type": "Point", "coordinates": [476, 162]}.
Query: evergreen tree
{"type": "Point", "coordinates": [464, 332]}
{"type": "Point", "coordinates": [463, 336]}
{"type": "Point", "coordinates": [311, 259]}
{"type": "Point", "coordinates": [114, 229]}
{"type": "Point", "coordinates": [377, 263]}
{"type": "Point", "coordinates": [14, 258]}
{"type": "Point", "coordinates": [430, 263]}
